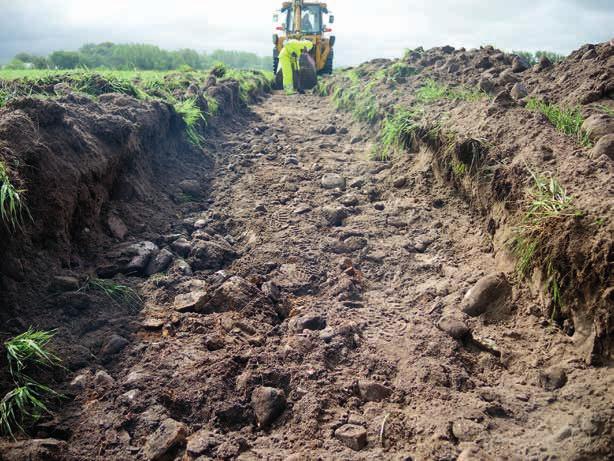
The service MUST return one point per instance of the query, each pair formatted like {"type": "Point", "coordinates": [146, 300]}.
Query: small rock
{"type": "Point", "coordinates": [333, 181]}
{"type": "Point", "coordinates": [208, 254]}
{"type": "Point", "coordinates": [307, 322]}
{"type": "Point", "coordinates": [61, 283]}
{"type": "Point", "coordinates": [152, 324]}
{"type": "Point", "coordinates": [201, 442]}
{"type": "Point", "coordinates": [160, 263]}
{"type": "Point", "coordinates": [503, 99]}
{"type": "Point", "coordinates": [507, 77]}
{"type": "Point", "coordinates": [334, 215]}
{"type": "Point", "coordinates": [487, 85]}
{"type": "Point", "coordinates": [268, 404]}
{"type": "Point", "coordinates": [553, 378]}
{"type": "Point", "coordinates": [519, 91]}
{"type": "Point", "coordinates": [190, 302]}
{"type": "Point", "coordinates": [114, 345]}
{"type": "Point", "coordinates": [371, 391]}
{"type": "Point", "coordinates": [80, 382]}
{"type": "Point", "coordinates": [349, 199]}
{"type": "Point", "coordinates": [357, 183]}
{"type": "Point", "coordinates": [103, 379]}
{"type": "Point", "coordinates": [182, 247]}
{"type": "Point", "coordinates": [597, 126]}
{"type": "Point", "coordinates": [379, 206]}
{"type": "Point", "coordinates": [605, 146]}
{"type": "Point", "coordinates": [271, 290]}
{"type": "Point", "coordinates": [486, 294]}
{"type": "Point", "coordinates": [117, 227]}
{"type": "Point", "coordinates": [180, 266]}
{"type": "Point", "coordinates": [302, 208]}
{"type": "Point", "coordinates": [454, 327]}
{"type": "Point", "coordinates": [564, 433]}
{"type": "Point", "coordinates": [519, 64]}
{"type": "Point", "coordinates": [400, 182]}
{"type": "Point", "coordinates": [356, 139]}
{"type": "Point", "coordinates": [352, 436]}
{"type": "Point", "coordinates": [466, 430]}
{"type": "Point", "coordinates": [200, 223]}
{"type": "Point", "coordinates": [543, 64]}
{"type": "Point", "coordinates": [191, 187]}
{"type": "Point", "coordinates": [328, 129]}
{"type": "Point", "coordinates": [169, 434]}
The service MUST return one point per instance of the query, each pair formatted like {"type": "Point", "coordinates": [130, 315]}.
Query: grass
{"type": "Point", "coordinates": [397, 134]}
{"type": "Point", "coordinates": [565, 120]}
{"type": "Point", "coordinates": [29, 348]}
{"type": "Point", "coordinates": [602, 107]}
{"type": "Point", "coordinates": [433, 91]}
{"type": "Point", "coordinates": [192, 116]}
{"type": "Point", "coordinates": [548, 201]}
{"type": "Point", "coordinates": [143, 85]}
{"type": "Point", "coordinates": [114, 291]}
{"type": "Point", "coordinates": [12, 207]}
{"type": "Point", "coordinates": [27, 401]}
{"type": "Point", "coordinates": [459, 168]}
{"type": "Point", "coordinates": [355, 96]}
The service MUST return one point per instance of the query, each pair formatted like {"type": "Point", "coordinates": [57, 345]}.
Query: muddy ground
{"type": "Point", "coordinates": [300, 301]}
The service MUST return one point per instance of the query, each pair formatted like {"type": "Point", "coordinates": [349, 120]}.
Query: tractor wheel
{"type": "Point", "coordinates": [328, 67]}
{"type": "Point", "coordinates": [275, 60]}
{"type": "Point", "coordinates": [307, 74]}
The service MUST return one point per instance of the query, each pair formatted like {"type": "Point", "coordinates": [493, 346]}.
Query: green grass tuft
{"type": "Point", "coordinates": [191, 115]}
{"type": "Point", "coordinates": [459, 168]}
{"type": "Point", "coordinates": [26, 402]}
{"type": "Point", "coordinates": [433, 91]}
{"type": "Point", "coordinates": [29, 348]}
{"type": "Point", "coordinates": [114, 291]}
{"type": "Point", "coordinates": [548, 202]}
{"type": "Point", "coordinates": [12, 207]}
{"type": "Point", "coordinates": [565, 120]}
{"type": "Point", "coordinates": [398, 133]}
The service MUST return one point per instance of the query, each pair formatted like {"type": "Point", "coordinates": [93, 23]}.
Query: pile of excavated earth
{"type": "Point", "coordinates": [280, 292]}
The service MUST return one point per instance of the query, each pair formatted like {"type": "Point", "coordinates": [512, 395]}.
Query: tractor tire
{"type": "Point", "coordinates": [307, 77]}
{"type": "Point", "coordinates": [275, 60]}
{"type": "Point", "coordinates": [328, 67]}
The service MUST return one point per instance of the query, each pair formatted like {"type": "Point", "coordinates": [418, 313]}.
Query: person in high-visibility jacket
{"type": "Point", "coordinates": [288, 60]}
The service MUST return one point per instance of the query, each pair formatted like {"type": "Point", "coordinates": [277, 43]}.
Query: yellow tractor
{"type": "Point", "coordinates": [303, 20]}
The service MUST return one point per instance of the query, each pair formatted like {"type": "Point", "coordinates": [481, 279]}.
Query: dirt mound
{"type": "Point", "coordinates": [496, 127]}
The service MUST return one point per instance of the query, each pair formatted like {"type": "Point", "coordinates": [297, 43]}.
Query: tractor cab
{"type": "Point", "coordinates": [307, 21]}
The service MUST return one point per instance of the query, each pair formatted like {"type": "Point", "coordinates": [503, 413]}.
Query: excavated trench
{"type": "Point", "coordinates": [297, 301]}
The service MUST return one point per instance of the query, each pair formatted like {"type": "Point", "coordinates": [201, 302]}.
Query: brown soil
{"type": "Point", "coordinates": [320, 322]}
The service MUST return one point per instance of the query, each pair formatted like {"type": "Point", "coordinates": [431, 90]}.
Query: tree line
{"type": "Point", "coordinates": [136, 56]}
{"type": "Point", "coordinates": [533, 58]}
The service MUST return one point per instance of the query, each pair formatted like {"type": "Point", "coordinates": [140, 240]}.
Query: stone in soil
{"type": "Point", "coordinates": [210, 255]}
{"type": "Point", "coordinates": [371, 391]}
{"type": "Point", "coordinates": [114, 345]}
{"type": "Point", "coordinates": [159, 263]}
{"type": "Point", "coordinates": [182, 247]}
{"type": "Point", "coordinates": [117, 227]}
{"type": "Point", "coordinates": [103, 379]}
{"type": "Point", "coordinates": [190, 302]}
{"type": "Point", "coordinates": [61, 283]}
{"type": "Point", "coordinates": [234, 294]}
{"type": "Point", "coordinates": [333, 181]}
{"type": "Point", "coordinates": [307, 322]}
{"type": "Point", "coordinates": [597, 126]}
{"type": "Point", "coordinates": [552, 378]}
{"type": "Point", "coordinates": [457, 329]}
{"type": "Point", "coordinates": [466, 430]}
{"type": "Point", "coordinates": [334, 215]}
{"type": "Point", "coordinates": [169, 435]}
{"type": "Point", "coordinates": [519, 91]}
{"type": "Point", "coordinates": [191, 187]}
{"type": "Point", "coordinates": [268, 404]}
{"type": "Point", "coordinates": [486, 295]}
{"type": "Point", "coordinates": [605, 146]}
{"type": "Point", "coordinates": [352, 436]}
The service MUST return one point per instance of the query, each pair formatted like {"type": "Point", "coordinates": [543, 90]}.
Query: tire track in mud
{"type": "Point", "coordinates": [331, 297]}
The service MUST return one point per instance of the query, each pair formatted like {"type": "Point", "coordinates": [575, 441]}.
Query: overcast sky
{"type": "Point", "coordinates": [365, 29]}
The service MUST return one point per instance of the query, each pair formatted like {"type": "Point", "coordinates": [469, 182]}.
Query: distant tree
{"type": "Point", "coordinates": [65, 59]}
{"type": "Point", "coordinates": [15, 64]}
